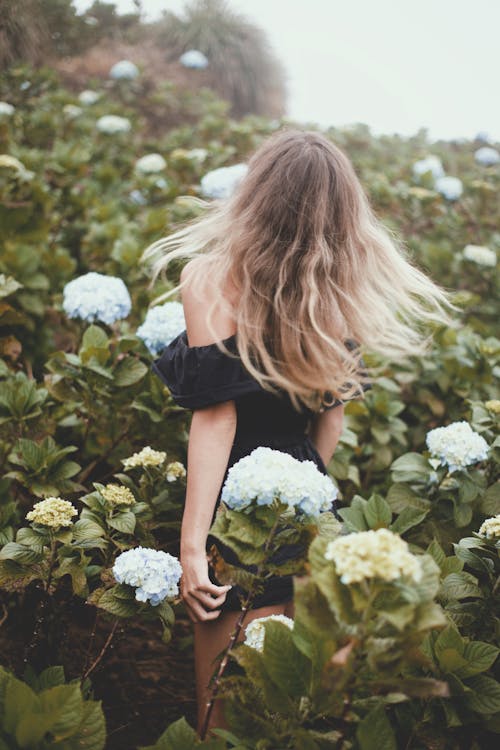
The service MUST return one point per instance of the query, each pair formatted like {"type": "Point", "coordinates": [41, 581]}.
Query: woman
{"type": "Point", "coordinates": [289, 279]}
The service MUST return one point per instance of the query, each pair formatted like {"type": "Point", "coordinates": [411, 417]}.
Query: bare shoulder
{"type": "Point", "coordinates": [199, 296]}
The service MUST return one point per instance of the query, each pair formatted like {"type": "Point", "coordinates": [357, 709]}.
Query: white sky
{"type": "Point", "coordinates": [396, 65]}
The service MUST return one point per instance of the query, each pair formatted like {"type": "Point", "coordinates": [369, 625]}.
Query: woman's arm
{"type": "Point", "coordinates": [210, 440]}
{"type": "Point", "coordinates": [325, 431]}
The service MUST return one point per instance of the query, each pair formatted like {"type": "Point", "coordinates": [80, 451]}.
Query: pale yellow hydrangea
{"type": "Point", "coordinates": [144, 458]}
{"type": "Point", "coordinates": [493, 405]}
{"type": "Point", "coordinates": [53, 512]}
{"type": "Point", "coordinates": [491, 528]}
{"type": "Point", "coordinates": [116, 494]}
{"type": "Point", "coordinates": [373, 554]}
{"type": "Point", "coordinates": [175, 470]}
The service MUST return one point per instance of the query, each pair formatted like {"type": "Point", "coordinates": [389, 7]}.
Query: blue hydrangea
{"type": "Point", "coordinates": [95, 296]}
{"type": "Point", "coordinates": [162, 324]}
{"type": "Point", "coordinates": [267, 474]}
{"type": "Point", "coordinates": [154, 574]}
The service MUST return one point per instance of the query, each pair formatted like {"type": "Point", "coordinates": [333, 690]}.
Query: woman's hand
{"type": "Point", "coordinates": [200, 595]}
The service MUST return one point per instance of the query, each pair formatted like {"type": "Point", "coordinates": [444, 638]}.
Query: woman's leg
{"type": "Point", "coordinates": [210, 638]}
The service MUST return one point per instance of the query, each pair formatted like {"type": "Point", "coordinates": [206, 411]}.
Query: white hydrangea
{"type": "Point", "coordinates": [150, 163]}
{"type": "Point", "coordinates": [457, 445]}
{"type": "Point", "coordinates": [124, 70]}
{"type": "Point", "coordinates": [112, 124]}
{"type": "Point", "coordinates": [255, 631]}
{"type": "Point", "coordinates": [144, 458]}
{"type": "Point", "coordinates": [195, 154]}
{"type": "Point", "coordinates": [175, 470]}
{"type": "Point", "coordinates": [6, 109]}
{"type": "Point", "coordinates": [153, 573]}
{"type": "Point", "coordinates": [267, 474]}
{"type": "Point", "coordinates": [430, 164]}
{"type": "Point", "coordinates": [483, 137]}
{"type": "Point", "coordinates": [88, 97]}
{"type": "Point", "coordinates": [95, 296]}
{"type": "Point", "coordinates": [193, 58]}
{"type": "Point", "coordinates": [490, 528]}
{"type": "Point", "coordinates": [372, 554]}
{"type": "Point", "coordinates": [53, 512]}
{"type": "Point", "coordinates": [487, 156]}
{"type": "Point", "coordinates": [450, 188]}
{"type": "Point", "coordinates": [220, 183]}
{"type": "Point", "coordinates": [161, 325]}
{"type": "Point", "coordinates": [480, 254]}
{"type": "Point", "coordinates": [72, 110]}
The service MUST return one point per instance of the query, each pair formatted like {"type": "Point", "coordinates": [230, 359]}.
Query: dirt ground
{"type": "Point", "coordinates": [144, 684]}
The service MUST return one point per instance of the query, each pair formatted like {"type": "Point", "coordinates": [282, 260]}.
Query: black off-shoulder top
{"type": "Point", "coordinates": [200, 376]}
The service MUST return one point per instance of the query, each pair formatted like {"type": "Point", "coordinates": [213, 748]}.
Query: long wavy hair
{"type": "Point", "coordinates": [313, 267]}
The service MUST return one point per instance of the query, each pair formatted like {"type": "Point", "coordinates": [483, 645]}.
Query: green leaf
{"type": "Point", "coordinates": [91, 734]}
{"type": "Point", "coordinates": [401, 496]}
{"type": "Point", "coordinates": [408, 518]}
{"type": "Point", "coordinates": [485, 698]}
{"type": "Point", "coordinates": [480, 657]}
{"type": "Point", "coordinates": [490, 501]}
{"type": "Point", "coordinates": [377, 512]}
{"type": "Point", "coordinates": [117, 606]}
{"type": "Point", "coordinates": [374, 732]}
{"type": "Point", "coordinates": [20, 553]}
{"type": "Point", "coordinates": [124, 522]}
{"type": "Point", "coordinates": [94, 338]}
{"type": "Point", "coordinates": [85, 528]}
{"type": "Point", "coordinates": [285, 664]}
{"type": "Point", "coordinates": [129, 371]}
{"type": "Point", "coordinates": [460, 586]}
{"type": "Point", "coordinates": [178, 736]}
{"type": "Point", "coordinates": [63, 704]}
{"type": "Point", "coordinates": [410, 467]}
{"type": "Point", "coordinates": [462, 514]}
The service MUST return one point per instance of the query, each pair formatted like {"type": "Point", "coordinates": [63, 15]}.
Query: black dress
{"type": "Point", "coordinates": [200, 376]}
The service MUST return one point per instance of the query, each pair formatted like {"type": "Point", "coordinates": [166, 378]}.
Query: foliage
{"type": "Point", "coordinates": [408, 666]}
{"type": "Point", "coordinates": [47, 712]}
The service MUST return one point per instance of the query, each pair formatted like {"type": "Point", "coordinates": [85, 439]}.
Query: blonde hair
{"type": "Point", "coordinates": [313, 267]}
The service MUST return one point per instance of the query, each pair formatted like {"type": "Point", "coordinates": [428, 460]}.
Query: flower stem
{"type": "Point", "coordinates": [245, 607]}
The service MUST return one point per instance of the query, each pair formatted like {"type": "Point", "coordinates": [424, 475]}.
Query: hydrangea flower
{"type": "Point", "coordinates": [150, 163]}
{"type": "Point", "coordinates": [221, 182]}
{"type": "Point", "coordinates": [267, 474]}
{"type": "Point", "coordinates": [153, 573]}
{"type": "Point", "coordinates": [493, 405]}
{"type": "Point", "coordinates": [72, 110]}
{"type": "Point", "coordinates": [380, 554]}
{"type": "Point", "coordinates": [53, 512]}
{"type": "Point", "coordinates": [88, 96]}
{"type": "Point", "coordinates": [490, 528]}
{"type": "Point", "coordinates": [483, 137]}
{"type": "Point", "coordinates": [116, 494]}
{"type": "Point", "coordinates": [6, 109]}
{"type": "Point", "coordinates": [487, 156]}
{"type": "Point", "coordinates": [457, 445]}
{"type": "Point", "coordinates": [193, 58]}
{"type": "Point", "coordinates": [95, 296]}
{"type": "Point", "coordinates": [175, 470]}
{"type": "Point", "coordinates": [137, 197]}
{"type": "Point", "coordinates": [162, 324]}
{"type": "Point", "coordinates": [255, 631]}
{"type": "Point", "coordinates": [124, 70]}
{"type": "Point", "coordinates": [195, 154]}
{"type": "Point", "coordinates": [480, 254]}
{"type": "Point", "coordinates": [430, 164]}
{"type": "Point", "coordinates": [112, 124]}
{"type": "Point", "coordinates": [10, 162]}
{"type": "Point", "coordinates": [450, 188]}
{"type": "Point", "coordinates": [144, 458]}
